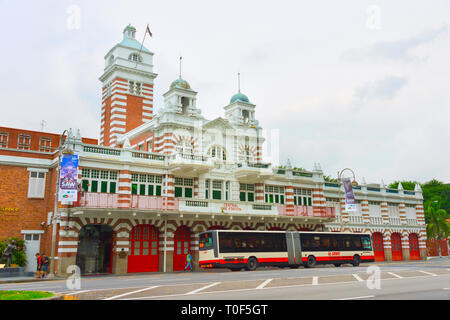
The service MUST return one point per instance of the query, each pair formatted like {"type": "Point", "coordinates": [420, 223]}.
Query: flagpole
{"type": "Point", "coordinates": [142, 44]}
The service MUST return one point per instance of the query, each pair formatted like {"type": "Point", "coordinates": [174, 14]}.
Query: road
{"type": "Point", "coordinates": [407, 280]}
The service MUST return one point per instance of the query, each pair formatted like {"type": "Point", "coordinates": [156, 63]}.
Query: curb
{"type": "Point", "coordinates": [29, 280]}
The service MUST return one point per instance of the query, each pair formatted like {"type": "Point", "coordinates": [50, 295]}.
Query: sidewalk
{"type": "Point", "coordinates": [27, 279]}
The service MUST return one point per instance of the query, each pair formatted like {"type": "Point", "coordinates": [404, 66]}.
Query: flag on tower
{"type": "Point", "coordinates": [148, 30]}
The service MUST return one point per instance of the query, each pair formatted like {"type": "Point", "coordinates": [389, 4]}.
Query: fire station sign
{"type": "Point", "coordinates": [68, 185]}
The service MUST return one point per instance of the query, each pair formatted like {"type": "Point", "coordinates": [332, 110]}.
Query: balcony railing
{"type": "Point", "coordinates": [98, 200]}
{"type": "Point", "coordinates": [110, 201]}
{"type": "Point", "coordinates": [152, 203]}
{"type": "Point", "coordinates": [101, 150]}
{"type": "Point", "coordinates": [376, 220]}
{"type": "Point", "coordinates": [356, 219]}
{"type": "Point", "coordinates": [412, 222]}
{"type": "Point", "coordinates": [148, 155]}
{"type": "Point", "coordinates": [395, 221]}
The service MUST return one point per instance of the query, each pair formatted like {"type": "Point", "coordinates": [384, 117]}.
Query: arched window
{"type": "Point", "coordinates": [135, 57]}
{"type": "Point", "coordinates": [245, 115]}
{"type": "Point", "coordinates": [217, 152]}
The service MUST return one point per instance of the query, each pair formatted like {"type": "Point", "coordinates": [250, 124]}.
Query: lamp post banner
{"type": "Point", "coordinates": [68, 186]}
{"type": "Point", "coordinates": [350, 202]}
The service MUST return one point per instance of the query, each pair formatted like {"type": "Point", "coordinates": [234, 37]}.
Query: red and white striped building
{"type": "Point", "coordinates": [155, 181]}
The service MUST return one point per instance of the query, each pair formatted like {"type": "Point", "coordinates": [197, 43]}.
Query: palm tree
{"type": "Point", "coordinates": [435, 218]}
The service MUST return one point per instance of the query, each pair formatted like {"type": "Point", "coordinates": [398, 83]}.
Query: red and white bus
{"type": "Point", "coordinates": [236, 249]}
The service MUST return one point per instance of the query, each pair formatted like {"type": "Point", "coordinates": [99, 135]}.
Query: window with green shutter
{"type": "Point", "coordinates": [142, 189]}
{"type": "Point", "coordinates": [99, 180]}
{"type": "Point", "coordinates": [188, 192]}
{"type": "Point", "coordinates": [251, 196]}
{"type": "Point", "coordinates": [85, 185]}
{"type": "Point", "coordinates": [150, 190]}
{"type": "Point", "coordinates": [158, 190]}
{"type": "Point", "coordinates": [94, 186]}
{"type": "Point", "coordinates": [217, 194]}
{"type": "Point", "coordinates": [104, 186]}
{"type": "Point", "coordinates": [112, 187]}
{"type": "Point", "coordinates": [134, 188]}
{"type": "Point", "coordinates": [178, 192]}
{"type": "Point", "coordinates": [242, 196]}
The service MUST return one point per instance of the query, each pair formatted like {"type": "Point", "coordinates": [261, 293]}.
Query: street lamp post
{"type": "Point", "coordinates": [55, 215]}
{"type": "Point", "coordinates": [354, 183]}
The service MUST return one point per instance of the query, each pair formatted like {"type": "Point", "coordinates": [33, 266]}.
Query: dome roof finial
{"type": "Point", "coordinates": [239, 82]}
{"type": "Point", "coordinates": [180, 65]}
{"type": "Point", "coordinates": [239, 96]}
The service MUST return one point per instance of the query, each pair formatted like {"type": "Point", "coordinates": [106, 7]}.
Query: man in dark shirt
{"type": "Point", "coordinates": [45, 263]}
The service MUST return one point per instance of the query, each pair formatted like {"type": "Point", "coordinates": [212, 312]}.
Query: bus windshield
{"type": "Point", "coordinates": [206, 241]}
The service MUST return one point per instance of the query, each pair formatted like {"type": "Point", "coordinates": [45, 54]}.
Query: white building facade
{"type": "Point", "coordinates": [156, 180]}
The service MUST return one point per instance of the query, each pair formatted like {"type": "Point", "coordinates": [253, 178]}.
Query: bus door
{"type": "Point", "coordinates": [293, 247]}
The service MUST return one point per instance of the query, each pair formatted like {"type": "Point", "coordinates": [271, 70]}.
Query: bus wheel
{"type": "Point", "coordinates": [311, 262]}
{"type": "Point", "coordinates": [356, 260]}
{"type": "Point", "coordinates": [252, 263]}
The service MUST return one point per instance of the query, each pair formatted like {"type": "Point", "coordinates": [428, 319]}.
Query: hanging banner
{"type": "Point", "coordinates": [350, 202]}
{"type": "Point", "coordinates": [68, 185]}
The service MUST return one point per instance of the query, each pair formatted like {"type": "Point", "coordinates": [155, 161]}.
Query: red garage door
{"type": "Point", "coordinates": [144, 247]}
{"type": "Point", "coordinates": [396, 241]}
{"type": "Point", "coordinates": [378, 247]}
{"type": "Point", "coordinates": [414, 253]}
{"type": "Point", "coordinates": [182, 245]}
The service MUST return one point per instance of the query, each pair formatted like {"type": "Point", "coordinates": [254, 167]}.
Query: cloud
{"type": "Point", "coordinates": [386, 88]}
{"type": "Point", "coordinates": [398, 50]}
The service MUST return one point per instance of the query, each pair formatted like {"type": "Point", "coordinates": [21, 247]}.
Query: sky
{"type": "Point", "coordinates": [347, 84]}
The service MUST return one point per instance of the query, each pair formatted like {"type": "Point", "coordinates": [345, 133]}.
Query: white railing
{"type": "Point", "coordinates": [412, 222]}
{"type": "Point", "coordinates": [356, 219]}
{"type": "Point", "coordinates": [376, 220]}
{"type": "Point", "coordinates": [395, 221]}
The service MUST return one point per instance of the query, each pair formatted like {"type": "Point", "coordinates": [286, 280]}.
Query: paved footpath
{"type": "Point", "coordinates": [396, 281]}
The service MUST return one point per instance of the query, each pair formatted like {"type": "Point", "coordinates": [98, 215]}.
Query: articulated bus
{"type": "Point", "coordinates": [236, 249]}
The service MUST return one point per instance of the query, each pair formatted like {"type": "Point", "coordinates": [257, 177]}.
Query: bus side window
{"type": "Point", "coordinates": [334, 243]}
{"type": "Point", "coordinates": [347, 243]}
{"type": "Point", "coordinates": [366, 243]}
{"type": "Point", "coordinates": [306, 242]}
{"type": "Point", "coordinates": [357, 243]}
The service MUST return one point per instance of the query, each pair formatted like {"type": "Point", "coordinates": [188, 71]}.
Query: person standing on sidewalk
{"type": "Point", "coordinates": [188, 261]}
{"type": "Point", "coordinates": [45, 263]}
{"type": "Point", "coordinates": [39, 265]}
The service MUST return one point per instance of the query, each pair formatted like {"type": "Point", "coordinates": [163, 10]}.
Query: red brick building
{"type": "Point", "coordinates": [28, 161]}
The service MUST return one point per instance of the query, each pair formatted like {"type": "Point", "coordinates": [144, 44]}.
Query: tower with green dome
{"type": "Point", "coordinates": [240, 111]}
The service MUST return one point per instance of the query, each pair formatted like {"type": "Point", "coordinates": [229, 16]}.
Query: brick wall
{"type": "Point", "coordinates": [30, 212]}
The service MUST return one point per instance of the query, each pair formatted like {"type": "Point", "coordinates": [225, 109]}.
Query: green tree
{"type": "Point", "coordinates": [407, 185]}
{"type": "Point", "coordinates": [435, 188]}
{"type": "Point", "coordinates": [329, 179]}
{"type": "Point", "coordinates": [435, 218]}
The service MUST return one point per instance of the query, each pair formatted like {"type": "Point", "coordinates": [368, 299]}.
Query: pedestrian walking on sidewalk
{"type": "Point", "coordinates": [39, 265]}
{"type": "Point", "coordinates": [45, 263]}
{"type": "Point", "coordinates": [188, 261]}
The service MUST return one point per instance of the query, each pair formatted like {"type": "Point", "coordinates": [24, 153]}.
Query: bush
{"type": "Point", "coordinates": [20, 257]}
